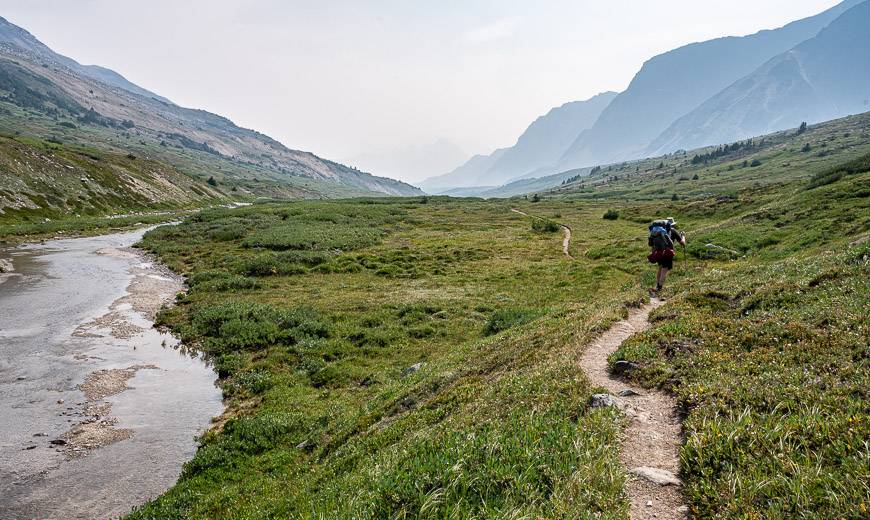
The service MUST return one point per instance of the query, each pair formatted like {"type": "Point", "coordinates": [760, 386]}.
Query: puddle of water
{"type": "Point", "coordinates": [74, 285]}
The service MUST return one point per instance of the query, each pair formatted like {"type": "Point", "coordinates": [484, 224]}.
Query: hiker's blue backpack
{"type": "Point", "coordinates": [660, 235]}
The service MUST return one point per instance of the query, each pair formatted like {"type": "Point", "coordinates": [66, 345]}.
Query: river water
{"type": "Point", "coordinates": [98, 410]}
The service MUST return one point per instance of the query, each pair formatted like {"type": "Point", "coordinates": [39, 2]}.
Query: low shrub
{"type": "Point", "coordinates": [221, 281]}
{"type": "Point", "coordinates": [507, 318]}
{"type": "Point", "coordinates": [270, 265]}
{"type": "Point", "coordinates": [830, 176]}
{"type": "Point", "coordinates": [241, 325]}
{"type": "Point", "coordinates": [542, 225]}
{"type": "Point", "coordinates": [245, 435]}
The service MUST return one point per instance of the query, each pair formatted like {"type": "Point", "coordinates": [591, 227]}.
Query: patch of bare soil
{"type": "Point", "coordinates": [98, 428]}
{"type": "Point", "coordinates": [151, 288]}
{"type": "Point", "coordinates": [103, 383]}
{"type": "Point", "coordinates": [116, 323]}
{"type": "Point", "coordinates": [651, 442]}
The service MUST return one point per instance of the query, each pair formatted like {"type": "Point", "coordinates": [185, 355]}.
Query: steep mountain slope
{"type": "Point", "coordinates": [84, 109]}
{"type": "Point", "coordinates": [11, 34]}
{"type": "Point", "coordinates": [672, 84]}
{"type": "Point", "coordinates": [822, 78]}
{"type": "Point", "coordinates": [540, 145]}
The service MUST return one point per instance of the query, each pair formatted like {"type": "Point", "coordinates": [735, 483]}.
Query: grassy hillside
{"type": "Point", "coordinates": [779, 156]}
{"type": "Point", "coordinates": [317, 314]}
{"type": "Point", "coordinates": [49, 188]}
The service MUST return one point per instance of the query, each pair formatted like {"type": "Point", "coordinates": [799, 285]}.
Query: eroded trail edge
{"type": "Point", "coordinates": [651, 442]}
{"type": "Point", "coordinates": [566, 241]}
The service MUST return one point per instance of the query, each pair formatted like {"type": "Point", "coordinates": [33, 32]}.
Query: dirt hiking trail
{"type": "Point", "coordinates": [651, 442]}
{"type": "Point", "coordinates": [566, 242]}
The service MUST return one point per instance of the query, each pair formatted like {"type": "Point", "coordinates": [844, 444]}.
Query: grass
{"type": "Point", "coordinates": [312, 359]}
{"type": "Point", "coordinates": [312, 312]}
{"type": "Point", "coordinates": [32, 229]}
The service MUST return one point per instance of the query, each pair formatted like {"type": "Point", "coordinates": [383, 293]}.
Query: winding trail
{"type": "Point", "coordinates": [651, 442]}
{"type": "Point", "coordinates": [566, 242]}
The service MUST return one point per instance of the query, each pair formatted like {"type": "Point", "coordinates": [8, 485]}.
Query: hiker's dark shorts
{"type": "Point", "coordinates": [666, 262]}
{"type": "Point", "coordinates": [663, 257]}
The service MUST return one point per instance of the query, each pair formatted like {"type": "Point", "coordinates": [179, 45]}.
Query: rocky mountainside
{"type": "Point", "coordinates": [672, 84]}
{"type": "Point", "coordinates": [540, 145]}
{"type": "Point", "coordinates": [40, 179]}
{"type": "Point", "coordinates": [11, 34]}
{"type": "Point", "coordinates": [47, 95]}
{"type": "Point", "coordinates": [823, 78]}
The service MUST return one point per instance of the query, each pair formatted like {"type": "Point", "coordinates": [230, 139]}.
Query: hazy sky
{"type": "Point", "coordinates": [345, 77]}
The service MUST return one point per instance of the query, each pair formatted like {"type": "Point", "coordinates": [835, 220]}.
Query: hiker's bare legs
{"type": "Point", "coordinates": [660, 277]}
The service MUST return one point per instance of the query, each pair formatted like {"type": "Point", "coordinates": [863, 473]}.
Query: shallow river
{"type": "Point", "coordinates": [98, 410]}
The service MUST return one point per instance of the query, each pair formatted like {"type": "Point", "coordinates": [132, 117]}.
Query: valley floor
{"type": "Point", "coordinates": [421, 358]}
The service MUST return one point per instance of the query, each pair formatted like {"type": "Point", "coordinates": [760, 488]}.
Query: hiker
{"type": "Point", "coordinates": [662, 237]}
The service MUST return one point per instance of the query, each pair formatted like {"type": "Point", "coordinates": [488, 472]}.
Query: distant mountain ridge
{"type": "Point", "coordinates": [542, 143]}
{"type": "Point", "coordinates": [823, 78]}
{"type": "Point", "coordinates": [704, 93]}
{"type": "Point", "coordinates": [672, 84]}
{"type": "Point", "coordinates": [412, 162]}
{"type": "Point", "coordinates": [123, 116]}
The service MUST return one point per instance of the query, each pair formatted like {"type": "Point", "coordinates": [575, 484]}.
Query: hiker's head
{"type": "Point", "coordinates": [672, 222]}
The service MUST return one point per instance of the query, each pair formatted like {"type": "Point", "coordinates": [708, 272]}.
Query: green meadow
{"type": "Point", "coordinates": [417, 358]}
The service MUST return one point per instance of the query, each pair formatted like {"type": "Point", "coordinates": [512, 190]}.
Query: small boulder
{"type": "Point", "coordinates": [623, 367]}
{"type": "Point", "coordinates": [628, 392]}
{"type": "Point", "coordinates": [411, 369]}
{"type": "Point", "coordinates": [601, 401]}
{"type": "Point", "coordinates": [658, 476]}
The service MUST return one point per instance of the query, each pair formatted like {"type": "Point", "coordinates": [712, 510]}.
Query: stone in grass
{"type": "Point", "coordinates": [602, 401]}
{"type": "Point", "coordinates": [623, 367]}
{"type": "Point", "coordinates": [658, 476]}
{"type": "Point", "coordinates": [411, 369]}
